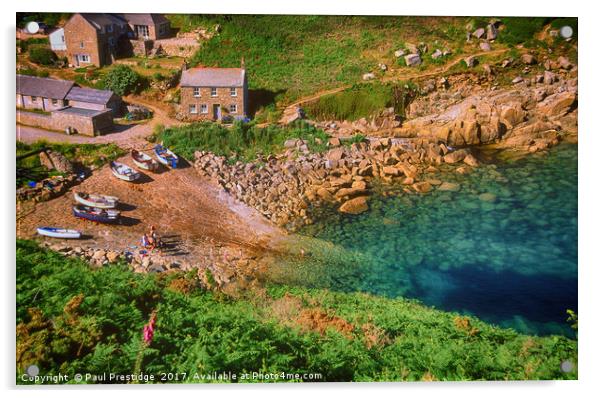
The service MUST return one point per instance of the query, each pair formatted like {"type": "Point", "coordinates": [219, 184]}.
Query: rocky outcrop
{"type": "Point", "coordinates": [287, 188]}
{"type": "Point", "coordinates": [47, 189]}
{"type": "Point", "coordinates": [496, 116]}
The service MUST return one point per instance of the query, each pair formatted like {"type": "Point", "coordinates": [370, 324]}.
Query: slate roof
{"type": "Point", "coordinates": [82, 111]}
{"type": "Point", "coordinates": [99, 20]}
{"type": "Point", "coordinates": [43, 87]}
{"type": "Point", "coordinates": [145, 19]}
{"type": "Point", "coordinates": [213, 77]}
{"type": "Point", "coordinates": [89, 95]}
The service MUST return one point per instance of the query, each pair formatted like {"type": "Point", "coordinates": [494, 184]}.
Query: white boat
{"type": "Point", "coordinates": [94, 200]}
{"type": "Point", "coordinates": [144, 161]}
{"type": "Point", "coordinates": [124, 172]}
{"type": "Point", "coordinates": [59, 233]}
{"type": "Point", "coordinates": [166, 156]}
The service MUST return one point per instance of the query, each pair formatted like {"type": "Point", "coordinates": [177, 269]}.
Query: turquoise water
{"type": "Point", "coordinates": [508, 257]}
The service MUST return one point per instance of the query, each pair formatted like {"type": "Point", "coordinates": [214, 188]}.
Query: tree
{"type": "Point", "coordinates": [42, 56]}
{"type": "Point", "coordinates": [123, 80]}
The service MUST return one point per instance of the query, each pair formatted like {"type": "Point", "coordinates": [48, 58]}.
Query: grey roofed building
{"type": "Point", "coordinates": [145, 19]}
{"type": "Point", "coordinates": [213, 77]}
{"type": "Point", "coordinates": [90, 95]}
{"type": "Point", "coordinates": [43, 87]}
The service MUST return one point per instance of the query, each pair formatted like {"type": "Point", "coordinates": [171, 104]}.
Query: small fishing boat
{"type": "Point", "coordinates": [166, 156]}
{"type": "Point", "coordinates": [96, 214]}
{"type": "Point", "coordinates": [124, 172]}
{"type": "Point", "coordinates": [94, 200]}
{"type": "Point", "coordinates": [144, 161]}
{"type": "Point", "coordinates": [59, 233]}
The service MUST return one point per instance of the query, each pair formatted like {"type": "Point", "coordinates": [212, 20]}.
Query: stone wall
{"type": "Point", "coordinates": [59, 121]}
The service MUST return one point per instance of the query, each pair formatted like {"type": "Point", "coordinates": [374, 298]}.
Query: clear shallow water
{"type": "Point", "coordinates": [509, 258]}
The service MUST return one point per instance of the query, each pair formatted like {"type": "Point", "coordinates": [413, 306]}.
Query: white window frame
{"type": "Point", "coordinates": [235, 106]}
{"type": "Point", "coordinates": [204, 108]}
{"type": "Point", "coordinates": [196, 92]}
{"type": "Point", "coordinates": [233, 92]}
{"type": "Point", "coordinates": [192, 109]}
{"type": "Point", "coordinates": [214, 91]}
{"type": "Point", "coordinates": [85, 58]}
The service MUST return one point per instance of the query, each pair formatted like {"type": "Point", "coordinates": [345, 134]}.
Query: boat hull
{"type": "Point", "coordinates": [144, 161]}
{"type": "Point", "coordinates": [166, 157]}
{"type": "Point", "coordinates": [118, 171]}
{"type": "Point", "coordinates": [59, 233]}
{"type": "Point", "coordinates": [107, 218]}
{"type": "Point", "coordinates": [109, 203]}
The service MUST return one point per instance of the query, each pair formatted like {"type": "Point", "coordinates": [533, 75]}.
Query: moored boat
{"type": "Point", "coordinates": [94, 200]}
{"type": "Point", "coordinates": [96, 214]}
{"type": "Point", "coordinates": [166, 156]}
{"type": "Point", "coordinates": [143, 160]}
{"type": "Point", "coordinates": [124, 172]}
{"type": "Point", "coordinates": [59, 232]}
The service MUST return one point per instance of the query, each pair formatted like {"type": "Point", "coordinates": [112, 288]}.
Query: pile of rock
{"type": "Point", "coordinates": [384, 122]}
{"type": "Point", "coordinates": [287, 187]}
{"type": "Point", "coordinates": [47, 189]}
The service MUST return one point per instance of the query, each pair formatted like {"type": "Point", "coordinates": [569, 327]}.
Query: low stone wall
{"type": "Point", "coordinates": [35, 119]}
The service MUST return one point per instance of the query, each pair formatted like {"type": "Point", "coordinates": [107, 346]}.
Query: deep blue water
{"type": "Point", "coordinates": [508, 257]}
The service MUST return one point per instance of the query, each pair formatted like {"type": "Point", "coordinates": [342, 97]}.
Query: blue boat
{"type": "Point", "coordinates": [95, 214]}
{"type": "Point", "coordinates": [166, 156]}
{"type": "Point", "coordinates": [59, 232]}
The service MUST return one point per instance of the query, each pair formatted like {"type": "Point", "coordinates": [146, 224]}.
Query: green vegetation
{"type": "Point", "coordinates": [362, 100]}
{"type": "Point", "coordinates": [49, 18]}
{"type": "Point", "coordinates": [123, 80]}
{"type": "Point", "coordinates": [242, 141]}
{"type": "Point", "coordinates": [291, 56]}
{"type": "Point", "coordinates": [519, 30]}
{"type": "Point", "coordinates": [84, 155]}
{"type": "Point", "coordinates": [42, 55]}
{"type": "Point", "coordinates": [32, 41]}
{"type": "Point", "coordinates": [74, 319]}
{"type": "Point", "coordinates": [33, 72]}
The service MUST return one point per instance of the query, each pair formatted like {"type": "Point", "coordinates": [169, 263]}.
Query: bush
{"type": "Point", "coordinates": [74, 319]}
{"type": "Point", "coordinates": [123, 80]}
{"type": "Point", "coordinates": [158, 77]}
{"type": "Point", "coordinates": [518, 30]}
{"type": "Point", "coordinates": [42, 56]}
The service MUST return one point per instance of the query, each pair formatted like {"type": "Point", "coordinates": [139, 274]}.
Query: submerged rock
{"type": "Point", "coordinates": [355, 206]}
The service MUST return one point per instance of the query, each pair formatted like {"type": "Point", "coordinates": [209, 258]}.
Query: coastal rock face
{"type": "Point", "coordinates": [474, 116]}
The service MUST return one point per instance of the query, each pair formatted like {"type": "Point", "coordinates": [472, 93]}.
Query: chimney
{"type": "Point", "coordinates": [242, 62]}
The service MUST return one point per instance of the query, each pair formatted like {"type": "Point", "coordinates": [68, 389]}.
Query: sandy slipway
{"type": "Point", "coordinates": [201, 225]}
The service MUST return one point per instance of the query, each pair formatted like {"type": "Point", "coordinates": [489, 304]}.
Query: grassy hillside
{"type": "Point", "coordinates": [74, 319]}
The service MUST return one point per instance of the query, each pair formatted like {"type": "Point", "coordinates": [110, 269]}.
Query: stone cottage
{"type": "Point", "coordinates": [98, 39]}
{"type": "Point", "coordinates": [213, 93]}
{"type": "Point", "coordinates": [61, 105]}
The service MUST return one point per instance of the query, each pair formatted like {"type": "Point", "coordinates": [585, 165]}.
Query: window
{"type": "Point", "coordinates": [204, 108]}
{"type": "Point", "coordinates": [34, 99]}
{"type": "Point", "coordinates": [196, 92]}
{"type": "Point", "coordinates": [55, 102]}
{"type": "Point", "coordinates": [141, 30]}
{"type": "Point", "coordinates": [84, 58]}
{"type": "Point", "coordinates": [109, 28]}
{"type": "Point", "coordinates": [63, 38]}
{"type": "Point", "coordinates": [232, 91]}
{"type": "Point", "coordinates": [213, 92]}
{"type": "Point", "coordinates": [81, 44]}
{"type": "Point", "coordinates": [192, 108]}
{"type": "Point", "coordinates": [233, 108]}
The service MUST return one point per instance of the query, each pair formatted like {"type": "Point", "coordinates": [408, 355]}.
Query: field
{"type": "Point", "coordinates": [73, 319]}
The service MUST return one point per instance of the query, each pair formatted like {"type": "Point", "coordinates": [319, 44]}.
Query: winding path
{"type": "Point", "coordinates": [394, 74]}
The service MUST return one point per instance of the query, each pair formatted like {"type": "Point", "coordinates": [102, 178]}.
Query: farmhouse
{"type": "Point", "coordinates": [99, 39]}
{"type": "Point", "coordinates": [60, 105]}
{"type": "Point", "coordinates": [214, 93]}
